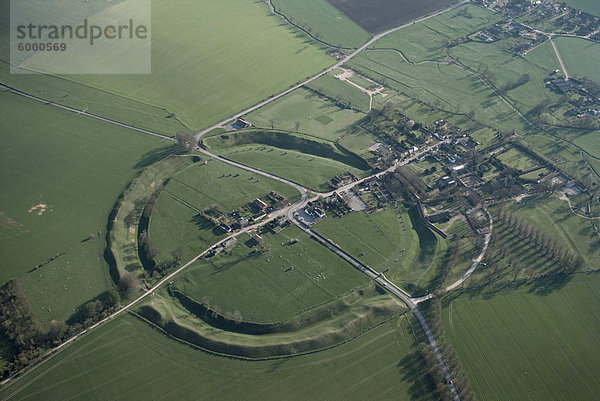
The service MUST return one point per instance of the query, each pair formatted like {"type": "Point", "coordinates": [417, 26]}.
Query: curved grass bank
{"type": "Point", "coordinates": [302, 320]}
{"type": "Point", "coordinates": [287, 141]}
{"type": "Point", "coordinates": [178, 322]}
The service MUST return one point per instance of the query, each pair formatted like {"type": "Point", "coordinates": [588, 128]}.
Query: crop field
{"type": "Point", "coordinates": [519, 345]}
{"type": "Point", "coordinates": [314, 115]}
{"type": "Point", "coordinates": [518, 160]}
{"type": "Point", "coordinates": [507, 69]}
{"type": "Point", "coordinates": [588, 6]}
{"type": "Point", "coordinates": [127, 355]}
{"type": "Point", "coordinates": [571, 51]}
{"type": "Point", "coordinates": [340, 91]}
{"type": "Point", "coordinates": [175, 223]}
{"type": "Point", "coordinates": [427, 40]}
{"type": "Point", "coordinates": [61, 175]}
{"type": "Point", "coordinates": [286, 278]}
{"type": "Point", "coordinates": [379, 15]}
{"type": "Point", "coordinates": [323, 21]}
{"type": "Point", "coordinates": [447, 86]}
{"type": "Point", "coordinates": [552, 215]}
{"type": "Point", "coordinates": [263, 57]}
{"type": "Point", "coordinates": [390, 239]}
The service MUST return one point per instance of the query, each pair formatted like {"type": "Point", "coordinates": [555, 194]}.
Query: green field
{"type": "Point", "coordinates": [175, 223]}
{"type": "Point", "coordinates": [311, 171]}
{"type": "Point", "coordinates": [313, 115]}
{"type": "Point", "coordinates": [521, 346]}
{"type": "Point", "coordinates": [571, 51]}
{"type": "Point", "coordinates": [588, 6]}
{"type": "Point", "coordinates": [553, 216]}
{"type": "Point", "coordinates": [76, 167]}
{"type": "Point", "coordinates": [123, 357]}
{"type": "Point", "coordinates": [518, 160]}
{"type": "Point", "coordinates": [427, 40]}
{"type": "Point", "coordinates": [341, 92]}
{"type": "Point", "coordinates": [324, 22]}
{"type": "Point", "coordinates": [306, 160]}
{"type": "Point", "coordinates": [390, 239]}
{"type": "Point", "coordinates": [263, 57]}
{"type": "Point", "coordinates": [274, 285]}
{"type": "Point", "coordinates": [447, 86]}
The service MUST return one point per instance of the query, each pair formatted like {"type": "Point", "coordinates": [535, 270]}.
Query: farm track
{"type": "Point", "coordinates": [288, 211]}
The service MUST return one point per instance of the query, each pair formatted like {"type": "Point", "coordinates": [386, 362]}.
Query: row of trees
{"type": "Point", "coordinates": [457, 374]}
{"type": "Point", "coordinates": [21, 326]}
{"type": "Point", "coordinates": [566, 261]}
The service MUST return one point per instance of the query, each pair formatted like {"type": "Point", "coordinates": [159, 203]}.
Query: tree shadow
{"type": "Point", "coordinates": [546, 286]}
{"type": "Point", "coordinates": [155, 155]}
{"type": "Point", "coordinates": [413, 370]}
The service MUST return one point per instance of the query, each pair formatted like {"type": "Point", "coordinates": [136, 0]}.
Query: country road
{"type": "Point", "coordinates": [392, 288]}
{"type": "Point", "coordinates": [327, 71]}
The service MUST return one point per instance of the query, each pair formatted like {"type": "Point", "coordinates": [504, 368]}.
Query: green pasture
{"type": "Point", "coordinates": [303, 168]}
{"type": "Point", "coordinates": [312, 114]}
{"type": "Point", "coordinates": [390, 239]}
{"type": "Point", "coordinates": [581, 57]}
{"type": "Point", "coordinates": [175, 223]}
{"type": "Point", "coordinates": [273, 284]}
{"type": "Point", "coordinates": [588, 6]}
{"type": "Point", "coordinates": [340, 91]}
{"type": "Point", "coordinates": [263, 57]}
{"type": "Point", "coordinates": [443, 86]}
{"type": "Point", "coordinates": [563, 154]}
{"type": "Point", "coordinates": [518, 160]}
{"type": "Point", "coordinates": [76, 167]}
{"type": "Point", "coordinates": [519, 344]}
{"type": "Point", "coordinates": [126, 355]}
{"type": "Point", "coordinates": [323, 21]}
{"type": "Point", "coordinates": [359, 143]}
{"type": "Point", "coordinates": [553, 216]}
{"type": "Point", "coordinates": [506, 69]}
{"type": "Point", "coordinates": [427, 40]}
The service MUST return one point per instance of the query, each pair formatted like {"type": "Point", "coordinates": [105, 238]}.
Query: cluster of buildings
{"type": "Point", "coordinates": [250, 213]}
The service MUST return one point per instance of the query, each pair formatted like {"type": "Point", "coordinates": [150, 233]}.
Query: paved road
{"type": "Point", "coordinates": [286, 211]}
{"type": "Point", "coordinates": [85, 113]}
{"type": "Point", "coordinates": [327, 71]}
{"type": "Point", "coordinates": [560, 60]}
{"type": "Point", "coordinates": [394, 290]}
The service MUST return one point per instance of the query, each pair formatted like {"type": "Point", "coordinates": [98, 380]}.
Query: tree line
{"type": "Point", "coordinates": [23, 330]}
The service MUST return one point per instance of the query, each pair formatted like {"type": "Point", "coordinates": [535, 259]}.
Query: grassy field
{"type": "Point", "coordinates": [506, 69]}
{"type": "Point", "coordinates": [323, 21]}
{"type": "Point", "coordinates": [385, 240]}
{"type": "Point", "coordinates": [270, 286]}
{"type": "Point", "coordinates": [174, 223]}
{"type": "Point", "coordinates": [76, 167]}
{"type": "Point", "coordinates": [571, 51]}
{"type": "Point", "coordinates": [311, 171]}
{"type": "Point", "coordinates": [379, 15]}
{"type": "Point", "coordinates": [127, 355]}
{"type": "Point", "coordinates": [447, 86]}
{"type": "Point", "coordinates": [518, 160]}
{"type": "Point", "coordinates": [427, 40]}
{"type": "Point", "coordinates": [562, 154]}
{"type": "Point", "coordinates": [315, 115]}
{"type": "Point", "coordinates": [263, 57]}
{"type": "Point", "coordinates": [341, 91]}
{"type": "Point", "coordinates": [588, 6]}
{"type": "Point", "coordinates": [518, 345]}
{"type": "Point", "coordinates": [553, 216]}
